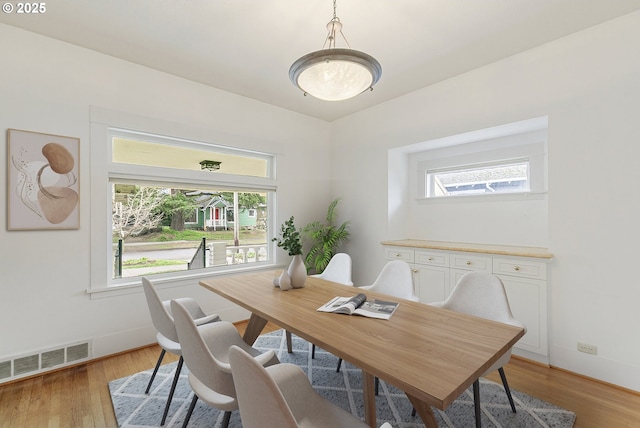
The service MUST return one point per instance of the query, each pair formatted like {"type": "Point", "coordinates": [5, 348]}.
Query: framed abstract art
{"type": "Point", "coordinates": [43, 181]}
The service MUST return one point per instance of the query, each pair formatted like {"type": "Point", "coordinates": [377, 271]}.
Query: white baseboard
{"type": "Point", "coordinates": [597, 367]}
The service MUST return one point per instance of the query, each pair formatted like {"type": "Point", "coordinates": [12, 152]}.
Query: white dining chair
{"type": "Point", "coordinates": [167, 336]}
{"type": "Point", "coordinates": [338, 270]}
{"type": "Point", "coordinates": [206, 353]}
{"type": "Point", "coordinates": [281, 396]}
{"type": "Point", "coordinates": [395, 279]}
{"type": "Point", "coordinates": [483, 295]}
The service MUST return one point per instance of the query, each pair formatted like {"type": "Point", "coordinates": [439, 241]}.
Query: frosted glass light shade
{"type": "Point", "coordinates": [335, 74]}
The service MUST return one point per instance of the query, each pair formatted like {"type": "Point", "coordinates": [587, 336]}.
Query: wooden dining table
{"type": "Point", "coordinates": [431, 354]}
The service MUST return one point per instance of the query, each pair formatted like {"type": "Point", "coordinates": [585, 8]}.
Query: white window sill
{"type": "Point", "coordinates": [134, 285]}
{"type": "Point", "coordinates": [499, 197]}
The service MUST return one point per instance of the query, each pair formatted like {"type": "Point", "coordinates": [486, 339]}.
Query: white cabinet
{"type": "Point", "coordinates": [437, 271]}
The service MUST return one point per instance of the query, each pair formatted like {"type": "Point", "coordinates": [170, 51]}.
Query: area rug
{"type": "Point", "coordinates": [134, 409]}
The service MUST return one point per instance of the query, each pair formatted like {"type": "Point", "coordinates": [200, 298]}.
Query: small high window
{"type": "Point", "coordinates": [498, 177]}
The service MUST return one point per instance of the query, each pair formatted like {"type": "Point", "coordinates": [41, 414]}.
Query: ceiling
{"type": "Point", "coordinates": [247, 46]}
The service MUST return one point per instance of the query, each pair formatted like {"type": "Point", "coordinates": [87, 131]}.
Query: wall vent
{"type": "Point", "coordinates": [26, 364]}
{"type": "Point", "coordinates": [5, 370]}
{"type": "Point", "coordinates": [43, 361]}
{"type": "Point", "coordinates": [78, 352]}
{"type": "Point", "coordinates": [52, 358]}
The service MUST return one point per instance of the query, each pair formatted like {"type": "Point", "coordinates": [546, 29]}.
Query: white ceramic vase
{"type": "Point", "coordinates": [297, 272]}
{"type": "Point", "coordinates": [284, 282]}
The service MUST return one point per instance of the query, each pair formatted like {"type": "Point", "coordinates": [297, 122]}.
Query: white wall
{"type": "Point", "coordinates": [588, 85]}
{"type": "Point", "coordinates": [50, 86]}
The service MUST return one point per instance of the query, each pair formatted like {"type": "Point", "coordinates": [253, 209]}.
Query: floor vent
{"type": "Point", "coordinates": [44, 361]}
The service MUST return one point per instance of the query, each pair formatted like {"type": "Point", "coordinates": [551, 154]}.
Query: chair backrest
{"type": "Point", "coordinates": [260, 400]}
{"type": "Point", "coordinates": [338, 270]}
{"type": "Point", "coordinates": [200, 354]}
{"type": "Point", "coordinates": [160, 315]}
{"type": "Point", "coordinates": [483, 295]}
{"type": "Point", "coordinates": [395, 279]}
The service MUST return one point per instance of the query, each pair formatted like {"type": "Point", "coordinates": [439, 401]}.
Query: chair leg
{"type": "Point", "coordinates": [506, 388]}
{"type": "Point", "coordinates": [289, 342]}
{"type": "Point", "coordinates": [476, 402]}
{"type": "Point", "coordinates": [192, 406]}
{"type": "Point", "coordinates": [173, 389]}
{"type": "Point", "coordinates": [339, 364]}
{"type": "Point", "coordinates": [313, 350]}
{"type": "Point", "coordinates": [153, 376]}
{"type": "Point", "coordinates": [225, 420]}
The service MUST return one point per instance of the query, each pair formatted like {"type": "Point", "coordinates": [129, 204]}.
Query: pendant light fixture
{"type": "Point", "coordinates": [335, 74]}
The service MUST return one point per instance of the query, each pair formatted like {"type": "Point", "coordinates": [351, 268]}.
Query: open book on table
{"type": "Point", "coordinates": [359, 305]}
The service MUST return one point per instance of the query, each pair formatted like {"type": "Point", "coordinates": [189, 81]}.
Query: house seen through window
{"type": "Point", "coordinates": [172, 212]}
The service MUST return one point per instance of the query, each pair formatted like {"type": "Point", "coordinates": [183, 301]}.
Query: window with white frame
{"type": "Point", "coordinates": [167, 206]}
{"type": "Point", "coordinates": [509, 165]}
{"type": "Point", "coordinates": [504, 176]}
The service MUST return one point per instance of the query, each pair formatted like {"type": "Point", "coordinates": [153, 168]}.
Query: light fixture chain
{"type": "Point", "coordinates": [334, 9]}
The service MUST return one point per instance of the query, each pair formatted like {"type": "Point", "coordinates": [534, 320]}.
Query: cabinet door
{"type": "Point", "coordinates": [432, 283]}
{"type": "Point", "coordinates": [527, 299]}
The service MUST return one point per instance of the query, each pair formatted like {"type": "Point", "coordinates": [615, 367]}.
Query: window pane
{"type": "Point", "coordinates": [137, 152]}
{"type": "Point", "coordinates": [159, 230]}
{"type": "Point", "coordinates": [512, 177]}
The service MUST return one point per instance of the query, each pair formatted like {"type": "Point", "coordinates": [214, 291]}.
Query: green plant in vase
{"type": "Point", "coordinates": [291, 240]}
{"type": "Point", "coordinates": [326, 238]}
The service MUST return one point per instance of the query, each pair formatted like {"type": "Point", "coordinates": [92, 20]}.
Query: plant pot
{"type": "Point", "coordinates": [297, 272]}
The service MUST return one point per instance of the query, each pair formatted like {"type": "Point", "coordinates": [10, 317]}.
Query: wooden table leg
{"type": "Point", "coordinates": [368, 395]}
{"type": "Point", "coordinates": [254, 328]}
{"type": "Point", "coordinates": [424, 411]}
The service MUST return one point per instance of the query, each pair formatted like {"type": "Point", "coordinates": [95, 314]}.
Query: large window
{"type": "Point", "coordinates": [178, 208]}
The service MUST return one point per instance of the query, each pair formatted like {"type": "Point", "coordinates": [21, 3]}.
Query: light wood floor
{"type": "Point", "coordinates": [79, 396]}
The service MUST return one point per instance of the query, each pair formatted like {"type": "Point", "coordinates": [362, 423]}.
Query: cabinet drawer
{"type": "Point", "coordinates": [520, 268]}
{"type": "Point", "coordinates": [471, 262]}
{"type": "Point", "coordinates": [432, 258]}
{"type": "Point", "coordinates": [399, 254]}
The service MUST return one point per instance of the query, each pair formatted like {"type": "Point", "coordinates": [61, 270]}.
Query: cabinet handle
{"type": "Point", "coordinates": [414, 270]}
{"type": "Point", "coordinates": [516, 268]}
{"type": "Point", "coordinates": [430, 258]}
{"type": "Point", "coordinates": [398, 254]}
{"type": "Point", "coordinates": [468, 262]}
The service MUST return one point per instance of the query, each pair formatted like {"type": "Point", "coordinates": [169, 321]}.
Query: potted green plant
{"type": "Point", "coordinates": [325, 238]}
{"type": "Point", "coordinates": [291, 240]}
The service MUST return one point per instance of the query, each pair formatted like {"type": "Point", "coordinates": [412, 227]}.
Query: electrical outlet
{"type": "Point", "coordinates": [589, 349]}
